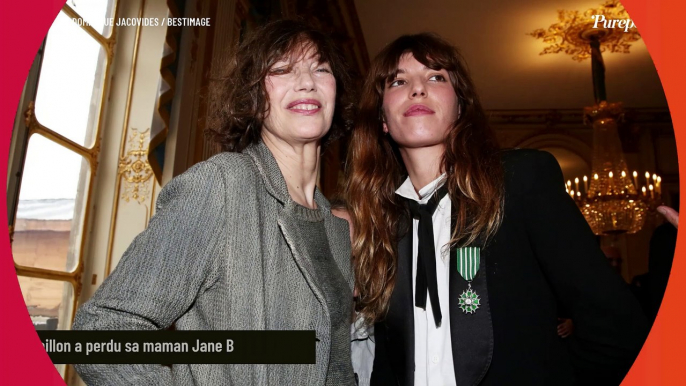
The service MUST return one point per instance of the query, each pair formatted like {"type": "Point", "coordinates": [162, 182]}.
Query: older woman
{"type": "Point", "coordinates": [245, 241]}
{"type": "Point", "coordinates": [463, 253]}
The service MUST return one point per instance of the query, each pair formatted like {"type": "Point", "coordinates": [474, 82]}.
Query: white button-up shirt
{"type": "Point", "coordinates": [433, 353]}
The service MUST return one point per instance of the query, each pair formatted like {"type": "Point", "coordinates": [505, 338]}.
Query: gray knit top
{"type": "Point", "coordinates": [336, 293]}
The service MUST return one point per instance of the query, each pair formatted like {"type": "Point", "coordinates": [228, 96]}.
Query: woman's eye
{"type": "Point", "coordinates": [324, 70]}
{"type": "Point", "coordinates": [278, 71]}
{"type": "Point", "coordinates": [396, 83]}
{"type": "Point", "coordinates": [438, 78]}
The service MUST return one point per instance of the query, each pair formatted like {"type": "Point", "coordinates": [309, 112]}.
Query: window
{"type": "Point", "coordinates": [50, 183]}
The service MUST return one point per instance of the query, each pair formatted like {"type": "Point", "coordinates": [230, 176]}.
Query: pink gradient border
{"type": "Point", "coordinates": [22, 358]}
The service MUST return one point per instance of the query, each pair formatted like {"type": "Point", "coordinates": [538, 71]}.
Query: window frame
{"type": "Point", "coordinates": [26, 125]}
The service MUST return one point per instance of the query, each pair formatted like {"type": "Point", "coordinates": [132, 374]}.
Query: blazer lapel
{"type": "Point", "coordinates": [276, 186]}
{"type": "Point", "coordinates": [471, 334]}
{"type": "Point", "coordinates": [400, 318]}
{"type": "Point", "coordinates": [268, 168]}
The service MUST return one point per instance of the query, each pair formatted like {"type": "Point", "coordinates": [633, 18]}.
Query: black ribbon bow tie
{"type": "Point", "coordinates": [426, 258]}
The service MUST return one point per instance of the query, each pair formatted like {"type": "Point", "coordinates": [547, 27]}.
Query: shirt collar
{"type": "Point", "coordinates": [407, 189]}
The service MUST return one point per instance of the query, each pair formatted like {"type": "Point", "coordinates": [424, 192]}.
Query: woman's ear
{"type": "Point", "coordinates": [382, 118]}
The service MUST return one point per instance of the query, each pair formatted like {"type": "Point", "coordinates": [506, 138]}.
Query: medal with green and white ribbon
{"type": "Point", "coordinates": [468, 260]}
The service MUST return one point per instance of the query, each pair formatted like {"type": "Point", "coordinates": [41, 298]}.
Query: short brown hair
{"type": "Point", "coordinates": [239, 100]}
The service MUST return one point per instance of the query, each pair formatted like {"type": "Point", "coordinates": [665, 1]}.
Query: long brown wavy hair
{"type": "Point", "coordinates": [375, 170]}
{"type": "Point", "coordinates": [239, 101]}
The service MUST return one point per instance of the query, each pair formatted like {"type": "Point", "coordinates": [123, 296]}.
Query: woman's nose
{"type": "Point", "coordinates": [418, 90]}
{"type": "Point", "coordinates": [305, 81]}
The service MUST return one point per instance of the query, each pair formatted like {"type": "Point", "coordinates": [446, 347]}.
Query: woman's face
{"type": "Point", "coordinates": [302, 98]}
{"type": "Point", "coordinates": [419, 105]}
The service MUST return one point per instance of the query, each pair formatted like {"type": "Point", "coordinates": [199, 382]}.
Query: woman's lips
{"type": "Point", "coordinates": [305, 106]}
{"type": "Point", "coordinates": [415, 110]}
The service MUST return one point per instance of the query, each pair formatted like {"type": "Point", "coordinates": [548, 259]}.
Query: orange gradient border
{"type": "Point", "coordinates": [24, 23]}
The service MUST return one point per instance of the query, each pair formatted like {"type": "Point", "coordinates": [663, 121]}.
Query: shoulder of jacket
{"type": "Point", "coordinates": [525, 168]}
{"type": "Point", "coordinates": [236, 168]}
{"type": "Point", "coordinates": [233, 172]}
{"type": "Point", "coordinates": [516, 157]}
{"type": "Point", "coordinates": [230, 161]}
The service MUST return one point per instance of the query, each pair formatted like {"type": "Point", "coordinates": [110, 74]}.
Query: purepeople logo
{"type": "Point", "coordinates": [613, 23]}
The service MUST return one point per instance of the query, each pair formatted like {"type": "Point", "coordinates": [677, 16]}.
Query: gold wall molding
{"type": "Point", "coordinates": [122, 149]}
{"type": "Point", "coordinates": [134, 168]}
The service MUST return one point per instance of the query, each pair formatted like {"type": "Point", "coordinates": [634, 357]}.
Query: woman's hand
{"type": "Point", "coordinates": [670, 215]}
{"type": "Point", "coordinates": [565, 328]}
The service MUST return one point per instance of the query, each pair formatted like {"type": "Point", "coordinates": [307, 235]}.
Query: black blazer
{"type": "Point", "coordinates": [543, 258]}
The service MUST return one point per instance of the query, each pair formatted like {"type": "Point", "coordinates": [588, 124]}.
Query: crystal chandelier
{"type": "Point", "coordinates": [612, 200]}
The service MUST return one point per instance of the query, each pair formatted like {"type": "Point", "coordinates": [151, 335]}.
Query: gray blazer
{"type": "Point", "coordinates": [221, 253]}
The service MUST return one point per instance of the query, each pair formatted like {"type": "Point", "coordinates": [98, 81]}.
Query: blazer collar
{"type": "Point", "coordinates": [273, 178]}
{"type": "Point", "coordinates": [269, 170]}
